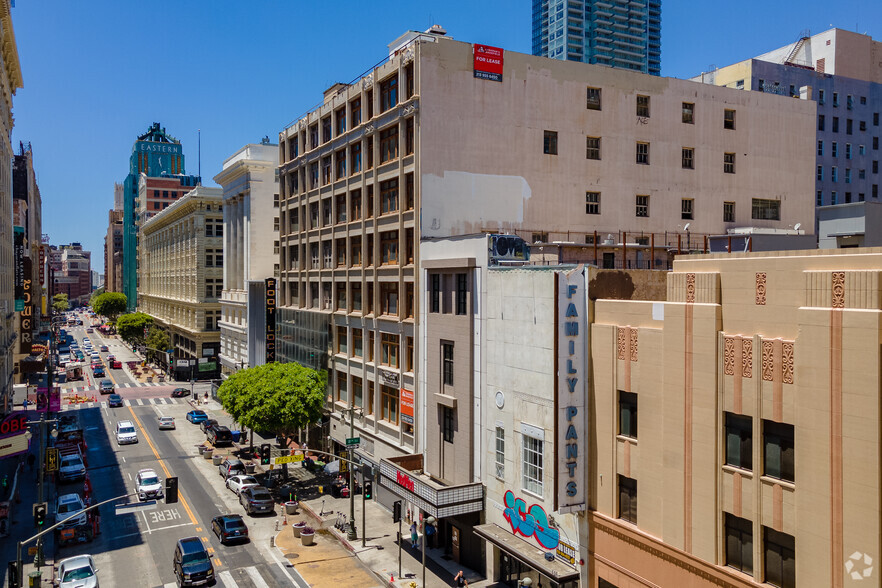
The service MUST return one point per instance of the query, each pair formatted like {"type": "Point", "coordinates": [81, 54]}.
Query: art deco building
{"type": "Point", "coordinates": [181, 262]}
{"type": "Point", "coordinates": [113, 251]}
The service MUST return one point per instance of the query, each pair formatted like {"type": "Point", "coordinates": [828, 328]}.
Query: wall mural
{"type": "Point", "coordinates": [529, 522]}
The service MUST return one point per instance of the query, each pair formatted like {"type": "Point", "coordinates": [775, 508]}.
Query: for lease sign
{"type": "Point", "coordinates": [488, 62]}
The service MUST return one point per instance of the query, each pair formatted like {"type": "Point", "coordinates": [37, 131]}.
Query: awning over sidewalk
{"type": "Point", "coordinates": [527, 553]}
{"type": "Point", "coordinates": [404, 477]}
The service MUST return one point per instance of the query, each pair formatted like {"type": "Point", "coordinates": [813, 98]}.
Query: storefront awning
{"type": "Point", "coordinates": [527, 553]}
{"type": "Point", "coordinates": [403, 476]}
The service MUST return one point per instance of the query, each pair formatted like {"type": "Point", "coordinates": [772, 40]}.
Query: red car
{"type": "Point", "coordinates": [116, 364]}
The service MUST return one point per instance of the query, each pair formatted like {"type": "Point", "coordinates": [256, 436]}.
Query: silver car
{"type": "Point", "coordinates": [166, 422]}
{"type": "Point", "coordinates": [77, 572]}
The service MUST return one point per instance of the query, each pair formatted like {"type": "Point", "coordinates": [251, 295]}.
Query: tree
{"type": "Point", "coordinates": [60, 302]}
{"type": "Point", "coordinates": [131, 327]}
{"type": "Point", "coordinates": [109, 304]}
{"type": "Point", "coordinates": [157, 342]}
{"type": "Point", "coordinates": [277, 397]}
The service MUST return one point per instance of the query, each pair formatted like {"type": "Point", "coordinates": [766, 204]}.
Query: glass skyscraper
{"type": "Point", "coordinates": [619, 33]}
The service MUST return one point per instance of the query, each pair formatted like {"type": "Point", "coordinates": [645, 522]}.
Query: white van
{"type": "Point", "coordinates": [125, 433]}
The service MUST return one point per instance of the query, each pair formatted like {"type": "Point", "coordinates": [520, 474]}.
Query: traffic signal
{"type": "Point", "coordinates": [265, 454]}
{"type": "Point", "coordinates": [40, 514]}
{"type": "Point", "coordinates": [396, 511]}
{"type": "Point", "coordinates": [368, 490]}
{"type": "Point", "coordinates": [171, 490]}
{"type": "Point", "coordinates": [13, 575]}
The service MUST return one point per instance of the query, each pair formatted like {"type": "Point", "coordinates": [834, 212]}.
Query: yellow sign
{"type": "Point", "coordinates": [288, 459]}
{"type": "Point", "coordinates": [51, 459]}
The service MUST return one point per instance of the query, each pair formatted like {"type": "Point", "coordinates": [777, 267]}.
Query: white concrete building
{"type": "Point", "coordinates": [251, 241]}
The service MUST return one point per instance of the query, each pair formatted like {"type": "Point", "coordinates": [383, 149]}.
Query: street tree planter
{"type": "Point", "coordinates": [291, 507]}
{"type": "Point", "coordinates": [297, 527]}
{"type": "Point", "coordinates": [307, 536]}
{"type": "Point", "coordinates": [207, 453]}
{"type": "Point", "coordinates": [249, 467]}
{"type": "Point", "coordinates": [217, 460]}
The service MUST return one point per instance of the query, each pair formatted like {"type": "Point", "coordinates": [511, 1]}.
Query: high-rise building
{"type": "Point", "coordinates": [155, 154]}
{"type": "Point", "coordinates": [73, 275]}
{"type": "Point", "coordinates": [113, 251]}
{"type": "Point", "coordinates": [27, 220]}
{"type": "Point", "coordinates": [619, 33]}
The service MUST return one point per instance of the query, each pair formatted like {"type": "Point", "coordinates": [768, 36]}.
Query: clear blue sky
{"type": "Point", "coordinates": [98, 73]}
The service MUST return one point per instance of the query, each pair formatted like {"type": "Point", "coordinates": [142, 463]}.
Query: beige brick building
{"type": "Point", "coordinates": [180, 273]}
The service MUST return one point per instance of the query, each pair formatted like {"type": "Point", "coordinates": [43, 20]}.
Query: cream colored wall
{"type": "Point", "coordinates": [483, 165]}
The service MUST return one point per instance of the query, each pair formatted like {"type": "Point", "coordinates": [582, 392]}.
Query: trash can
{"type": "Point", "coordinates": [236, 436]}
{"type": "Point", "coordinates": [34, 579]}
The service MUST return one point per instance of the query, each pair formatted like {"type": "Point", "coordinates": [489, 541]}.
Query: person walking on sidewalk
{"type": "Point", "coordinates": [413, 535]}
{"type": "Point", "coordinates": [460, 580]}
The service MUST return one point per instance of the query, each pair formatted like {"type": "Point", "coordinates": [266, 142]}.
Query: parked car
{"type": "Point", "coordinates": [239, 482]}
{"type": "Point", "coordinates": [69, 505]}
{"type": "Point", "coordinates": [219, 436]}
{"type": "Point", "coordinates": [77, 572]}
{"type": "Point", "coordinates": [71, 467]}
{"type": "Point", "coordinates": [229, 527]}
{"type": "Point", "coordinates": [89, 330]}
{"type": "Point", "coordinates": [114, 401]}
{"type": "Point", "coordinates": [166, 422]}
{"type": "Point", "coordinates": [103, 347]}
{"type": "Point", "coordinates": [257, 499]}
{"type": "Point", "coordinates": [192, 564]}
{"type": "Point", "coordinates": [106, 386]}
{"type": "Point", "coordinates": [180, 393]}
{"type": "Point", "coordinates": [125, 433]}
{"type": "Point", "coordinates": [207, 423]}
{"type": "Point", "coordinates": [231, 467]}
{"type": "Point", "coordinates": [148, 485]}
{"type": "Point", "coordinates": [196, 416]}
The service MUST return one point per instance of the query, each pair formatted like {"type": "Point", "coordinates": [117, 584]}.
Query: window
{"type": "Point", "coordinates": [835, 99]}
{"type": "Point", "coordinates": [326, 170]}
{"type": "Point", "coordinates": [340, 118]}
{"type": "Point", "coordinates": [833, 197]}
{"type": "Point", "coordinates": [447, 424]}
{"type": "Point", "coordinates": [389, 298]}
{"type": "Point", "coordinates": [847, 175]}
{"type": "Point", "coordinates": [820, 148]}
{"type": "Point", "coordinates": [835, 124]}
{"type": "Point", "coordinates": [326, 129]}
{"type": "Point", "coordinates": [389, 144]}
{"type": "Point", "coordinates": [355, 251]}
{"type": "Point", "coordinates": [593, 102]}
{"type": "Point", "coordinates": [848, 126]}
{"type": "Point", "coordinates": [389, 247]}
{"type": "Point", "coordinates": [834, 149]}
{"type": "Point", "coordinates": [550, 143]}
{"type": "Point", "coordinates": [592, 202]}
{"type": "Point", "coordinates": [341, 340]}
{"type": "Point", "coordinates": [389, 404]}
{"type": "Point", "coordinates": [592, 147]}
{"type": "Point", "coordinates": [819, 200]}
{"type": "Point", "coordinates": [409, 246]}
{"type": "Point", "coordinates": [729, 119]}
{"type": "Point", "coordinates": [369, 405]}
{"type": "Point", "coordinates": [389, 196]}
{"type": "Point", "coordinates": [778, 450]}
{"type": "Point", "coordinates": [862, 150]}
{"type": "Point", "coordinates": [340, 164]}
{"type": "Point", "coordinates": [408, 136]}
{"type": "Point", "coordinates": [627, 414]}
{"type": "Point", "coordinates": [533, 466]}
{"type": "Point", "coordinates": [875, 166]}
{"type": "Point", "coordinates": [847, 197]}
{"type": "Point", "coordinates": [849, 102]}
{"type": "Point", "coordinates": [370, 104]}
{"type": "Point", "coordinates": [356, 307]}
{"type": "Point", "coordinates": [355, 157]}
{"type": "Point", "coordinates": [643, 153]}
{"type": "Point", "coordinates": [763, 209]}
{"type": "Point", "coordinates": [834, 173]}
{"type": "Point", "coordinates": [447, 364]}
{"type": "Point", "coordinates": [728, 212]}
{"type": "Point", "coordinates": [408, 356]}
{"type": "Point", "coordinates": [643, 106]}
{"type": "Point", "coordinates": [739, 543]}
{"type": "Point", "coordinates": [408, 80]}
{"type": "Point", "coordinates": [820, 122]}
{"type": "Point", "coordinates": [369, 205]}
{"type": "Point", "coordinates": [628, 499]}
{"type": "Point", "coordinates": [389, 349]}
{"type": "Point", "coordinates": [688, 158]}
{"type": "Point", "coordinates": [862, 125]}
{"type": "Point", "coordinates": [779, 558]}
{"type": "Point", "coordinates": [435, 293]}
{"type": "Point", "coordinates": [821, 99]}
{"type": "Point", "coordinates": [355, 205]}
{"type": "Point", "coordinates": [689, 113]}
{"type": "Point", "coordinates": [686, 205]}
{"type": "Point", "coordinates": [875, 143]}
{"type": "Point", "coordinates": [355, 112]}
{"type": "Point", "coordinates": [409, 191]}
{"type": "Point", "coordinates": [462, 293]}
{"type": "Point", "coordinates": [369, 148]}
{"type": "Point", "coordinates": [388, 93]}
{"type": "Point", "coordinates": [729, 163]}
{"type": "Point", "coordinates": [739, 441]}
{"type": "Point", "coordinates": [642, 205]}
{"type": "Point", "coordinates": [500, 452]}
{"type": "Point", "coordinates": [356, 391]}
{"type": "Point", "coordinates": [875, 119]}
{"type": "Point", "coordinates": [340, 246]}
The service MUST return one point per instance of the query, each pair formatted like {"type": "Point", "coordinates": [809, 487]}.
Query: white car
{"type": "Point", "coordinates": [149, 485]}
{"type": "Point", "coordinates": [77, 572]}
{"type": "Point", "coordinates": [71, 467]}
{"type": "Point", "coordinates": [239, 483]}
{"type": "Point", "coordinates": [166, 422]}
{"type": "Point", "coordinates": [69, 505]}
{"type": "Point", "coordinates": [125, 433]}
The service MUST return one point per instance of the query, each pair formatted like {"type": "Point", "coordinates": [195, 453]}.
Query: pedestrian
{"type": "Point", "coordinates": [31, 460]}
{"type": "Point", "coordinates": [413, 535]}
{"type": "Point", "coordinates": [206, 399]}
{"type": "Point", "coordinates": [460, 580]}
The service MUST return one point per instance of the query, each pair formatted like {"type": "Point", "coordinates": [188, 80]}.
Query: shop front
{"type": "Point", "coordinates": [514, 560]}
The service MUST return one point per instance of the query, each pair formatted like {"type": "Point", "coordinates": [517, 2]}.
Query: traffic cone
{"type": "Point", "coordinates": [392, 578]}
{"type": "Point", "coordinates": [285, 518]}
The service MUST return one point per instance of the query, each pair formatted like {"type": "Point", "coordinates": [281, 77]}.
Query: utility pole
{"type": "Point", "coordinates": [352, 534]}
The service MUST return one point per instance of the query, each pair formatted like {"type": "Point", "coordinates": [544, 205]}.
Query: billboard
{"type": "Point", "coordinates": [487, 62]}
{"type": "Point", "coordinates": [26, 325]}
{"type": "Point", "coordinates": [18, 260]}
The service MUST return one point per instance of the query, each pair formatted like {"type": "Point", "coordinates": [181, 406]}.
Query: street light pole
{"type": "Point", "coordinates": [426, 522]}
{"type": "Point", "coordinates": [352, 534]}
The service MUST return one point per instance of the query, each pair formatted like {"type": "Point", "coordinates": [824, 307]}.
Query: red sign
{"type": "Point", "coordinates": [13, 424]}
{"type": "Point", "coordinates": [404, 481]}
{"type": "Point", "coordinates": [406, 406]}
{"type": "Point", "coordinates": [488, 62]}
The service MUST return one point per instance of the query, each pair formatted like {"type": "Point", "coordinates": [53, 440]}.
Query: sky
{"type": "Point", "coordinates": [97, 74]}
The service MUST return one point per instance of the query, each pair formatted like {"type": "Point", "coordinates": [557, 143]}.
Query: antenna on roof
{"type": "Point", "coordinates": [199, 156]}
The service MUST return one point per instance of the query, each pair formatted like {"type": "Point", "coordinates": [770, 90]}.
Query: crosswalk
{"type": "Point", "coordinates": [125, 385]}
{"type": "Point", "coordinates": [126, 402]}
{"type": "Point", "coordinates": [247, 577]}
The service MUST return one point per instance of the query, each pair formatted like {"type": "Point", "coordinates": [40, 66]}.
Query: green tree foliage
{"type": "Point", "coordinates": [277, 397]}
{"type": "Point", "coordinates": [157, 342]}
{"type": "Point", "coordinates": [109, 304]}
{"type": "Point", "coordinates": [60, 302]}
{"type": "Point", "coordinates": [131, 327]}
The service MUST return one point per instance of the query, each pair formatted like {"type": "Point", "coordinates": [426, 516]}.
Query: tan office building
{"type": "Point", "coordinates": [180, 278]}
{"type": "Point", "coordinates": [113, 251]}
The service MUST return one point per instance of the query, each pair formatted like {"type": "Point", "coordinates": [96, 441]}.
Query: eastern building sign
{"type": "Point", "coordinates": [150, 147]}
{"type": "Point", "coordinates": [270, 320]}
{"type": "Point", "coordinates": [488, 62]}
{"type": "Point", "coordinates": [570, 400]}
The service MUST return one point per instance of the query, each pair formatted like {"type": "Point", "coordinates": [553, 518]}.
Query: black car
{"type": "Point", "coordinates": [207, 423]}
{"type": "Point", "coordinates": [180, 393]}
{"type": "Point", "coordinates": [219, 435]}
{"type": "Point", "coordinates": [114, 400]}
{"type": "Point", "coordinates": [229, 527]}
{"type": "Point", "coordinates": [192, 564]}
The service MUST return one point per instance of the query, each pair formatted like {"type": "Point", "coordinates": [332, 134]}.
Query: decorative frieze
{"type": "Point", "coordinates": [768, 360]}
{"type": "Point", "coordinates": [729, 356]}
{"type": "Point", "coordinates": [746, 358]}
{"type": "Point", "coordinates": [690, 288]}
{"type": "Point", "coordinates": [621, 343]}
{"type": "Point", "coordinates": [761, 288]}
{"type": "Point", "coordinates": [633, 344]}
{"type": "Point", "coordinates": [787, 362]}
{"type": "Point", "coordinates": [838, 290]}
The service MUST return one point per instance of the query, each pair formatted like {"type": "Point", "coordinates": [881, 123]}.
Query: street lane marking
{"type": "Point", "coordinates": [256, 578]}
{"type": "Point", "coordinates": [140, 402]}
{"type": "Point", "coordinates": [227, 578]}
{"type": "Point", "coordinates": [127, 402]}
{"type": "Point", "coordinates": [217, 562]}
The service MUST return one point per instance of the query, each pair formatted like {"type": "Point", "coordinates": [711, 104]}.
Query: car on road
{"type": "Point", "coordinates": [180, 393]}
{"type": "Point", "coordinates": [229, 527]}
{"type": "Point", "coordinates": [102, 348]}
{"type": "Point", "coordinates": [239, 482]}
{"type": "Point", "coordinates": [115, 364]}
{"type": "Point", "coordinates": [166, 422]}
{"type": "Point", "coordinates": [257, 499]}
{"type": "Point", "coordinates": [69, 505]}
{"type": "Point", "coordinates": [114, 401]}
{"type": "Point", "coordinates": [95, 357]}
{"type": "Point", "coordinates": [192, 564]}
{"type": "Point", "coordinates": [230, 467]}
{"type": "Point", "coordinates": [77, 572]}
{"type": "Point", "coordinates": [125, 433]}
{"type": "Point", "coordinates": [196, 416]}
{"type": "Point", "coordinates": [71, 467]}
{"type": "Point", "coordinates": [106, 386]}
{"type": "Point", "coordinates": [219, 436]}
{"type": "Point", "coordinates": [90, 330]}
{"type": "Point", "coordinates": [148, 484]}
{"type": "Point", "coordinates": [207, 423]}
{"type": "Point", "coordinates": [98, 371]}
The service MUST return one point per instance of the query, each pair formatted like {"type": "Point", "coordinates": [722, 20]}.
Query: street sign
{"type": "Point", "coordinates": [288, 459]}
{"type": "Point", "coordinates": [51, 459]}
{"type": "Point", "coordinates": [135, 507]}
{"type": "Point", "coordinates": [353, 441]}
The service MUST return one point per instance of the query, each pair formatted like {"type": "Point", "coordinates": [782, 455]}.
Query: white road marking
{"type": "Point", "coordinates": [130, 479]}
{"type": "Point", "coordinates": [124, 461]}
{"type": "Point", "coordinates": [127, 402]}
{"type": "Point", "coordinates": [104, 405]}
{"type": "Point", "coordinates": [294, 582]}
{"type": "Point", "coordinates": [171, 585]}
{"type": "Point", "coordinates": [256, 577]}
{"type": "Point", "coordinates": [227, 578]}
{"type": "Point", "coordinates": [140, 402]}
